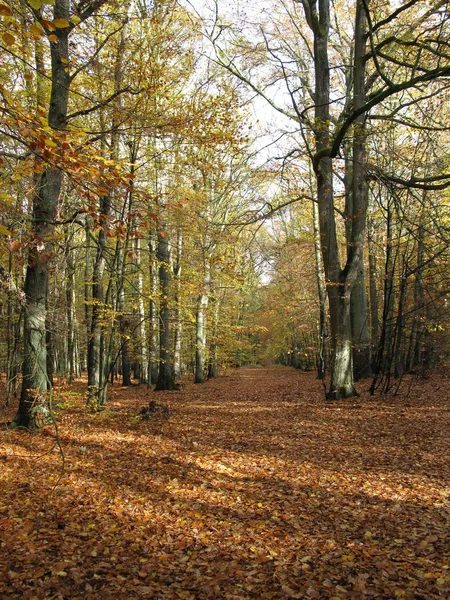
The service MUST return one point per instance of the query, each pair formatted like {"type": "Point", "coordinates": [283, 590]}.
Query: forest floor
{"type": "Point", "coordinates": [255, 487]}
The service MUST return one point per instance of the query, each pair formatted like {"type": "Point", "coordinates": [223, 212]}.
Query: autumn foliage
{"type": "Point", "coordinates": [253, 487]}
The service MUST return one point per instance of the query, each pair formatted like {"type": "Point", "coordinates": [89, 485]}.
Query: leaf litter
{"type": "Point", "coordinates": [254, 487]}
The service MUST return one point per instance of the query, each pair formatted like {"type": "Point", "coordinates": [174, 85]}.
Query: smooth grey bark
{"type": "Point", "coordinates": [33, 397]}
{"type": "Point", "coordinates": [87, 288]}
{"type": "Point", "coordinates": [200, 327]}
{"type": "Point", "coordinates": [70, 309]}
{"type": "Point", "coordinates": [373, 293]}
{"type": "Point", "coordinates": [213, 348]}
{"type": "Point", "coordinates": [384, 351]}
{"type": "Point", "coordinates": [359, 202]}
{"type": "Point", "coordinates": [14, 297]}
{"type": "Point", "coordinates": [399, 325]}
{"type": "Point", "coordinates": [121, 254]}
{"type": "Point", "coordinates": [143, 372]}
{"type": "Point", "coordinates": [414, 351]}
{"type": "Point", "coordinates": [165, 375]}
{"type": "Point", "coordinates": [153, 354]}
{"type": "Point", "coordinates": [356, 194]}
{"type": "Point", "coordinates": [178, 326]}
{"type": "Point", "coordinates": [359, 315]}
{"type": "Point", "coordinates": [124, 325]}
{"type": "Point", "coordinates": [322, 294]}
{"type": "Point", "coordinates": [96, 383]}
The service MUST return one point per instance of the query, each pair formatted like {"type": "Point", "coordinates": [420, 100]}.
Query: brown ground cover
{"type": "Point", "coordinates": [255, 487]}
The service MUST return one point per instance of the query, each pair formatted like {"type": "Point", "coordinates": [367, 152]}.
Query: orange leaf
{"type": "Point", "coordinates": [5, 11]}
{"type": "Point", "coordinates": [8, 39]}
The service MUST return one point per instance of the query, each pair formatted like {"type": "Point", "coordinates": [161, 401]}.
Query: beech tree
{"type": "Point", "coordinates": [377, 69]}
{"type": "Point", "coordinates": [61, 20]}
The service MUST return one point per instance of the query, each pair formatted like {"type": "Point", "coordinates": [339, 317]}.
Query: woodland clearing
{"type": "Point", "coordinates": [254, 487]}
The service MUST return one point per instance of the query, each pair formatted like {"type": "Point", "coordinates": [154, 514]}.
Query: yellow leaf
{"type": "Point", "coordinates": [36, 30]}
{"type": "Point", "coordinates": [53, 38]}
{"type": "Point", "coordinates": [4, 230]}
{"type": "Point", "coordinates": [348, 557]}
{"type": "Point", "coordinates": [8, 39]}
{"type": "Point", "coordinates": [61, 23]}
{"type": "Point", "coordinates": [75, 19]}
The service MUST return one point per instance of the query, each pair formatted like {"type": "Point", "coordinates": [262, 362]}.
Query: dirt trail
{"type": "Point", "coordinates": [255, 487]}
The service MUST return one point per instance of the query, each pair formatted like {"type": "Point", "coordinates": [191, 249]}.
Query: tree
{"type": "Point", "coordinates": [45, 202]}
{"type": "Point", "coordinates": [378, 70]}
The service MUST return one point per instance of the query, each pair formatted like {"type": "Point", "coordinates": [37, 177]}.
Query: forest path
{"type": "Point", "coordinates": [254, 488]}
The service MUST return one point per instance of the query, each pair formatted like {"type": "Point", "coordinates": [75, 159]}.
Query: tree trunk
{"type": "Point", "coordinates": [413, 360]}
{"type": "Point", "coordinates": [373, 294]}
{"type": "Point", "coordinates": [143, 371]}
{"type": "Point", "coordinates": [360, 328]}
{"type": "Point", "coordinates": [321, 288]}
{"type": "Point", "coordinates": [98, 358]}
{"type": "Point", "coordinates": [212, 359]}
{"type": "Point", "coordinates": [384, 350]}
{"type": "Point", "coordinates": [200, 327]}
{"type": "Point", "coordinates": [153, 367]}
{"type": "Point", "coordinates": [70, 309]}
{"type": "Point", "coordinates": [341, 384]}
{"type": "Point", "coordinates": [33, 397]}
{"type": "Point", "coordinates": [96, 381]}
{"type": "Point", "coordinates": [178, 327]}
{"type": "Point", "coordinates": [339, 281]}
{"type": "Point", "coordinates": [165, 375]}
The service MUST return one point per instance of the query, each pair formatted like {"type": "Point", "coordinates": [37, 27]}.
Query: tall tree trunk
{"type": "Point", "coordinates": [398, 343]}
{"type": "Point", "coordinates": [373, 294]}
{"type": "Point", "coordinates": [178, 326]}
{"type": "Point", "coordinates": [356, 215]}
{"type": "Point", "coordinates": [153, 354]}
{"type": "Point", "coordinates": [341, 384]}
{"type": "Point", "coordinates": [165, 375]}
{"type": "Point", "coordinates": [33, 395]}
{"type": "Point", "coordinates": [143, 373]}
{"type": "Point", "coordinates": [359, 315]}
{"type": "Point", "coordinates": [87, 290]}
{"type": "Point", "coordinates": [200, 327]}
{"type": "Point", "coordinates": [96, 381]}
{"type": "Point", "coordinates": [70, 309]}
{"type": "Point", "coordinates": [384, 351]}
{"type": "Point", "coordinates": [98, 358]}
{"type": "Point", "coordinates": [321, 288]}
{"type": "Point", "coordinates": [413, 359]}
{"type": "Point", "coordinates": [212, 358]}
{"type": "Point", "coordinates": [12, 337]}
{"type": "Point", "coordinates": [339, 281]}
{"type": "Point", "coordinates": [123, 326]}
